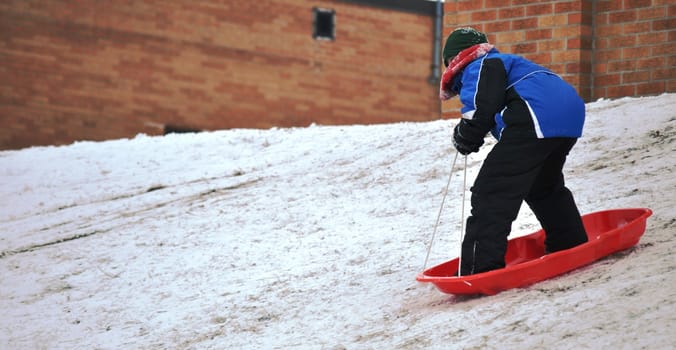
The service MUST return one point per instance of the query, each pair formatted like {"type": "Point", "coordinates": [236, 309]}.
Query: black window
{"type": "Point", "coordinates": [324, 22]}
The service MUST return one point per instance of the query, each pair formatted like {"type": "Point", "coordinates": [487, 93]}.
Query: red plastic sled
{"type": "Point", "coordinates": [609, 231]}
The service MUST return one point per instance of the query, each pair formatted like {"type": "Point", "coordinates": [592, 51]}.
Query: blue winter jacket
{"type": "Point", "coordinates": [513, 97]}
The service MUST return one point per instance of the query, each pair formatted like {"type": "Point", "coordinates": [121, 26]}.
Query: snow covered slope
{"type": "Point", "coordinates": [310, 238]}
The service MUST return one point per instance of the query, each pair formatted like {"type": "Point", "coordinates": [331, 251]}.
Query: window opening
{"type": "Point", "coordinates": [324, 23]}
{"type": "Point", "coordinates": [178, 129]}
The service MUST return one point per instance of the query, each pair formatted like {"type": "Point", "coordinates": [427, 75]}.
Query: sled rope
{"type": "Point", "coordinates": [443, 199]}
{"type": "Point", "coordinates": [462, 216]}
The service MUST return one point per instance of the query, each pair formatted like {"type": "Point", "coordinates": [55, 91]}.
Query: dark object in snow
{"type": "Point", "coordinates": [176, 129]}
{"type": "Point", "coordinates": [608, 231]}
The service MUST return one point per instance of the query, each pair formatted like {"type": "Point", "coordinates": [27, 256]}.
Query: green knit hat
{"type": "Point", "coordinates": [461, 39]}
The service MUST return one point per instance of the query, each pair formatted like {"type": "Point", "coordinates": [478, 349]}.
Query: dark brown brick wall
{"type": "Point", "coordinates": [109, 69]}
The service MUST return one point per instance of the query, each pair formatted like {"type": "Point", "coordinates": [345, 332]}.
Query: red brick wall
{"type": "Point", "coordinates": [555, 34]}
{"type": "Point", "coordinates": [604, 48]}
{"type": "Point", "coordinates": [73, 70]}
{"type": "Point", "coordinates": [101, 69]}
{"type": "Point", "coordinates": [635, 48]}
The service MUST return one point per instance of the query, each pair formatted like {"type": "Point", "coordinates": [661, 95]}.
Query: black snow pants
{"type": "Point", "coordinates": [516, 170]}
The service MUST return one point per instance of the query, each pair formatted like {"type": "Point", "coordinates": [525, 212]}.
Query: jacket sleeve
{"type": "Point", "coordinates": [482, 96]}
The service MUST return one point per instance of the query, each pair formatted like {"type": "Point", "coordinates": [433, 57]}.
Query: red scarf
{"type": "Point", "coordinates": [459, 62]}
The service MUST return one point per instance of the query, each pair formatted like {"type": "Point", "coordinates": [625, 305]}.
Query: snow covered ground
{"type": "Point", "coordinates": [311, 238]}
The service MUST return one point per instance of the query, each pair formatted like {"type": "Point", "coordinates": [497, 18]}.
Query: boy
{"type": "Point", "coordinates": [536, 117]}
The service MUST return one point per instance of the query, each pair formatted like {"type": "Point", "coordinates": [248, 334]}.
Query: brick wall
{"type": "Point", "coordinates": [635, 48]}
{"type": "Point", "coordinates": [108, 69]}
{"type": "Point", "coordinates": [604, 48]}
{"type": "Point", "coordinates": [101, 69]}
